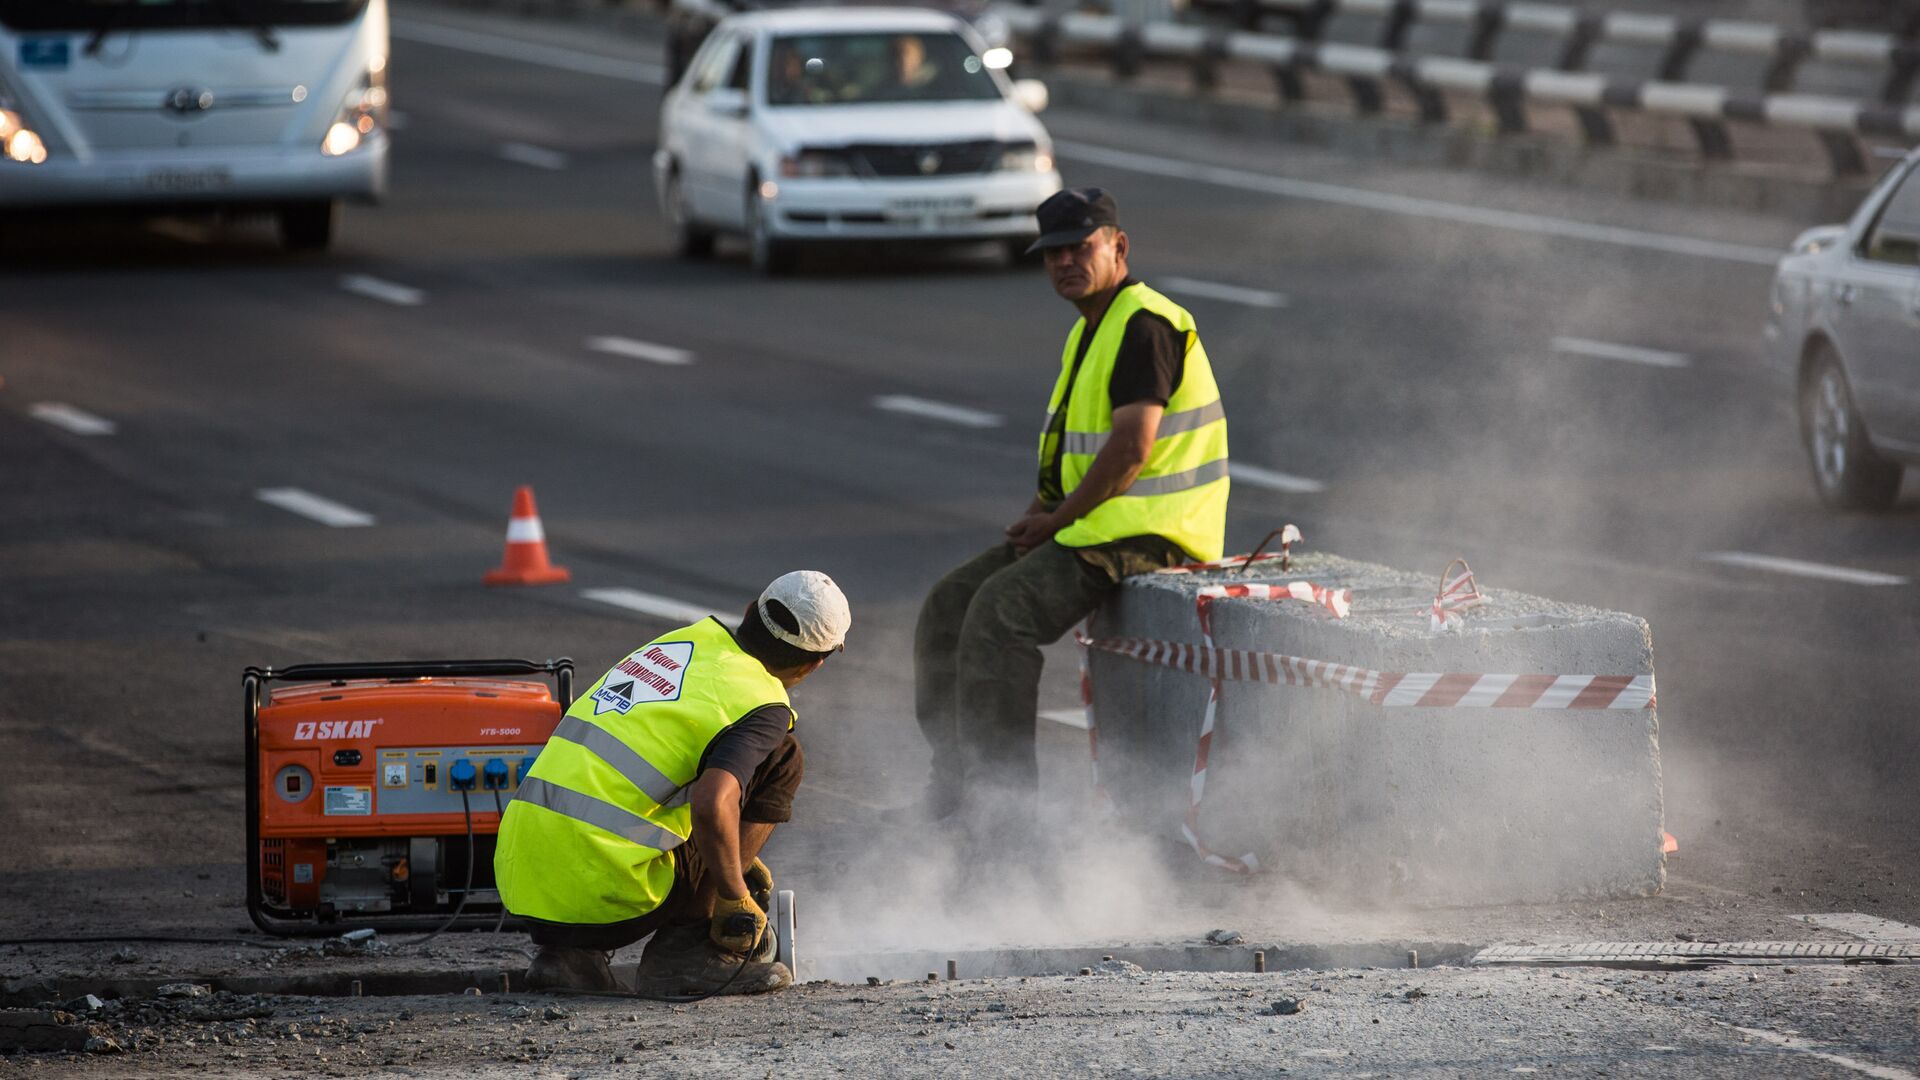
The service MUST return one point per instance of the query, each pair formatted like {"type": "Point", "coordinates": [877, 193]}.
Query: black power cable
{"type": "Point", "coordinates": [466, 808]}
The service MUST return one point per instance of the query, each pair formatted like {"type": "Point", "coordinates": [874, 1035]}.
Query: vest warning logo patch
{"type": "Point", "coordinates": [650, 674]}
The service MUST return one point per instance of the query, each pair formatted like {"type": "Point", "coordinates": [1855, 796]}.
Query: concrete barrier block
{"type": "Point", "coordinates": [1423, 805]}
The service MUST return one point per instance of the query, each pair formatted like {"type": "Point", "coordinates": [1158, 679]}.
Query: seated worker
{"type": "Point", "coordinates": [646, 811]}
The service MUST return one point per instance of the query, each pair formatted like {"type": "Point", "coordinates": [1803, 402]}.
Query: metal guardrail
{"type": "Point", "coordinates": [1507, 89]}
{"type": "Point", "coordinates": [1580, 31]}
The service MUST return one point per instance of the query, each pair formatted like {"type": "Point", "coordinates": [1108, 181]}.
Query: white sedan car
{"type": "Point", "coordinates": [1845, 329]}
{"type": "Point", "coordinates": [811, 125]}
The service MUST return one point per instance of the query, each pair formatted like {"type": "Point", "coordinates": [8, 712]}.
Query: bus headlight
{"type": "Point", "coordinates": [364, 110]}
{"type": "Point", "coordinates": [18, 142]}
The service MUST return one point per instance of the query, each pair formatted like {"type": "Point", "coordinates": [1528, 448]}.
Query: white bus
{"type": "Point", "coordinates": [226, 106]}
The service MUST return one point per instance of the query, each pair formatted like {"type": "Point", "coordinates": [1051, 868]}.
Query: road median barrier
{"type": "Point", "coordinates": [1364, 730]}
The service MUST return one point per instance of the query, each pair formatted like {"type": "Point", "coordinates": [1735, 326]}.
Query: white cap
{"type": "Point", "coordinates": [816, 602]}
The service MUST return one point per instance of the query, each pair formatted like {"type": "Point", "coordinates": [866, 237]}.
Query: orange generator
{"type": "Point", "coordinates": [375, 790]}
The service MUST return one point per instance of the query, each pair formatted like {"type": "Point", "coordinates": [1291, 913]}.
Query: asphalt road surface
{"type": "Point", "coordinates": [1561, 387]}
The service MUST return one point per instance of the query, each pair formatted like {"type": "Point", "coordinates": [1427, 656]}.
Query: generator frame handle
{"type": "Point", "coordinates": [254, 688]}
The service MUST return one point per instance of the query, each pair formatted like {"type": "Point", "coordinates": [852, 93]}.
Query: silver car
{"type": "Point", "coordinates": [1845, 326]}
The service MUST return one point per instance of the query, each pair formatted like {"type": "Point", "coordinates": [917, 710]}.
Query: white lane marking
{"type": "Point", "coordinates": [664, 607]}
{"type": "Point", "coordinates": [68, 418]}
{"type": "Point", "coordinates": [309, 505]}
{"type": "Point", "coordinates": [1870, 928]}
{"type": "Point", "coordinates": [1412, 206]}
{"type": "Point", "coordinates": [937, 410]}
{"type": "Point", "coordinates": [1075, 718]}
{"type": "Point", "coordinates": [381, 289]}
{"type": "Point", "coordinates": [640, 350]}
{"type": "Point", "coordinates": [537, 156]}
{"type": "Point", "coordinates": [1607, 350]}
{"type": "Point", "coordinates": [528, 52]}
{"type": "Point", "coordinates": [1232, 294]}
{"type": "Point", "coordinates": [1801, 568]}
{"type": "Point", "coordinates": [1255, 476]}
{"type": "Point", "coordinates": [1803, 1046]}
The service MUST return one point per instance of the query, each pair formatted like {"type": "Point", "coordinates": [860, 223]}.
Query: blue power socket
{"type": "Point", "coordinates": [462, 776]}
{"type": "Point", "coordinates": [493, 775]}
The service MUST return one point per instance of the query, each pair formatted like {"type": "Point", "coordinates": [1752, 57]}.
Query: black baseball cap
{"type": "Point", "coordinates": [1070, 215]}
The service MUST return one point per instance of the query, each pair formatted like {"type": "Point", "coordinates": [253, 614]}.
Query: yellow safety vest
{"type": "Point", "coordinates": [589, 835]}
{"type": "Point", "coordinates": [1181, 493]}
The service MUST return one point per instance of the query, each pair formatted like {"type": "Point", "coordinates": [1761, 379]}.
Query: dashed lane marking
{"type": "Point", "coordinates": [383, 290]}
{"type": "Point", "coordinates": [1255, 476]}
{"type": "Point", "coordinates": [1075, 718]}
{"type": "Point", "coordinates": [528, 52]}
{"type": "Point", "coordinates": [1812, 1050]}
{"type": "Point", "coordinates": [70, 419]}
{"type": "Point", "coordinates": [1413, 206]}
{"type": "Point", "coordinates": [1801, 568]}
{"type": "Point", "coordinates": [313, 507]}
{"type": "Point", "coordinates": [1865, 927]}
{"type": "Point", "coordinates": [1232, 294]}
{"type": "Point", "coordinates": [537, 156]}
{"type": "Point", "coordinates": [641, 350]}
{"type": "Point", "coordinates": [664, 607]}
{"type": "Point", "coordinates": [938, 410]}
{"type": "Point", "coordinates": [1632, 354]}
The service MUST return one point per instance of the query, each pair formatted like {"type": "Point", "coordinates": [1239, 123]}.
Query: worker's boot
{"type": "Point", "coordinates": [682, 960]}
{"type": "Point", "coordinates": [558, 968]}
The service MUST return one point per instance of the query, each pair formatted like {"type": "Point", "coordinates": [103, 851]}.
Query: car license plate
{"type": "Point", "coordinates": [947, 209]}
{"type": "Point", "coordinates": [187, 181]}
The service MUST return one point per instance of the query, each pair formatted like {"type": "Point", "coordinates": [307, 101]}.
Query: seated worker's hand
{"type": "Point", "coordinates": [737, 925]}
{"type": "Point", "coordinates": [1032, 531]}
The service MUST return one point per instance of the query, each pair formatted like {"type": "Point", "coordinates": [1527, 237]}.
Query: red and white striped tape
{"type": "Point", "coordinates": [1338, 601]}
{"type": "Point", "coordinates": [1392, 689]}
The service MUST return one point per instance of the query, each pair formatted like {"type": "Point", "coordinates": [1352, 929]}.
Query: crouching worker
{"type": "Point", "coordinates": [646, 811]}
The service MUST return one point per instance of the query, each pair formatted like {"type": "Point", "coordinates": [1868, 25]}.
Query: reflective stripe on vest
{"type": "Point", "coordinates": [1192, 478]}
{"type": "Point", "coordinates": [597, 813]}
{"type": "Point", "coordinates": [1181, 490]}
{"type": "Point", "coordinates": [1171, 424]}
{"type": "Point", "coordinates": [638, 770]}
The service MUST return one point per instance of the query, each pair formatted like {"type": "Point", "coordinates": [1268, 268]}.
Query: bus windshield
{"type": "Point", "coordinates": [119, 15]}
{"type": "Point", "coordinates": [863, 69]}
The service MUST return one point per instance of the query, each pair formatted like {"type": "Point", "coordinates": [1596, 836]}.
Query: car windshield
{"type": "Point", "coordinates": [118, 15]}
{"type": "Point", "coordinates": [864, 69]}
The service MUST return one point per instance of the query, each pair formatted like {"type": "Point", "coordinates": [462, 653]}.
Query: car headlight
{"type": "Point", "coordinates": [364, 109]}
{"type": "Point", "coordinates": [18, 142]}
{"type": "Point", "coordinates": [1025, 157]}
{"type": "Point", "coordinates": [814, 164]}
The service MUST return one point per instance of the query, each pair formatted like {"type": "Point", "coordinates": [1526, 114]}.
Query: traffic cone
{"type": "Point", "coordinates": [525, 562]}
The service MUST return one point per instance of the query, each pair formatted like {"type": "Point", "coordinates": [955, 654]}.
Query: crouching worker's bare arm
{"type": "Point", "coordinates": [727, 847]}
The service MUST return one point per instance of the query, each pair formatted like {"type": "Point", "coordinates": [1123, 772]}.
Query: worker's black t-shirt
{"type": "Point", "coordinates": [746, 745]}
{"type": "Point", "coordinates": [1147, 367]}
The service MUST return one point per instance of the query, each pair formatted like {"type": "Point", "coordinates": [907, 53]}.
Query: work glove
{"type": "Point", "coordinates": [737, 925]}
{"type": "Point", "coordinates": [759, 881]}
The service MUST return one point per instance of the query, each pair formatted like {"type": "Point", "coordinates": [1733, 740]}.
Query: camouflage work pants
{"type": "Point", "coordinates": [976, 652]}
